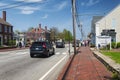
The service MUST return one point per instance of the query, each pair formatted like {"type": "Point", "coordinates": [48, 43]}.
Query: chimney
{"type": "Point", "coordinates": [45, 27]}
{"type": "Point", "coordinates": [39, 25]}
{"type": "Point", "coordinates": [4, 15]}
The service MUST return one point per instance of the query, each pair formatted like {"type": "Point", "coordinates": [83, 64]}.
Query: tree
{"type": "Point", "coordinates": [30, 28]}
{"type": "Point", "coordinates": [16, 31]}
{"type": "Point", "coordinates": [54, 33]}
{"type": "Point", "coordinates": [60, 35]}
{"type": "Point", "coordinates": [67, 35]}
{"type": "Point", "coordinates": [70, 36]}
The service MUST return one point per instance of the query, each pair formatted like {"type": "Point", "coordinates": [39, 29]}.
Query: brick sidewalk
{"type": "Point", "coordinates": [86, 66]}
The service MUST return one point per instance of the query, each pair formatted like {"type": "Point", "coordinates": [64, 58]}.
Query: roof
{"type": "Point", "coordinates": [39, 30]}
{"type": "Point", "coordinates": [4, 22]}
{"type": "Point", "coordinates": [118, 6]}
{"type": "Point", "coordinates": [46, 31]}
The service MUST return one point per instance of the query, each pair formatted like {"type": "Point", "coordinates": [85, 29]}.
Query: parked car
{"type": "Point", "coordinates": [41, 48]}
{"type": "Point", "coordinates": [77, 44]}
{"type": "Point", "coordinates": [60, 45]}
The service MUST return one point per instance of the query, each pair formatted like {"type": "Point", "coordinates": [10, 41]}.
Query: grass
{"type": "Point", "coordinates": [113, 55]}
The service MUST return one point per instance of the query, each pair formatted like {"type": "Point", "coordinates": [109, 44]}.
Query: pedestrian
{"type": "Point", "coordinates": [83, 43]}
{"type": "Point", "coordinates": [99, 46]}
{"type": "Point", "coordinates": [20, 44]}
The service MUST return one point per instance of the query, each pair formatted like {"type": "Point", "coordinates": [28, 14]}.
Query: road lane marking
{"type": "Point", "coordinates": [57, 53]}
{"type": "Point", "coordinates": [21, 53]}
{"type": "Point", "coordinates": [64, 53]}
{"type": "Point", "coordinates": [52, 68]}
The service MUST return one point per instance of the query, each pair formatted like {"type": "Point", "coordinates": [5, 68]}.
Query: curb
{"type": "Point", "coordinates": [109, 67]}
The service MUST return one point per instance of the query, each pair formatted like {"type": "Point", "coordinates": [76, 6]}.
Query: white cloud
{"type": "Point", "coordinates": [30, 0]}
{"type": "Point", "coordinates": [28, 9]}
{"type": "Point", "coordinates": [82, 3]}
{"type": "Point", "coordinates": [2, 4]}
{"type": "Point", "coordinates": [45, 16]}
{"type": "Point", "coordinates": [27, 12]}
{"type": "Point", "coordinates": [90, 3]}
{"type": "Point", "coordinates": [62, 5]}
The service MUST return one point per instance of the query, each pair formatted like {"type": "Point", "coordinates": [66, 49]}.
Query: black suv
{"type": "Point", "coordinates": [77, 44]}
{"type": "Point", "coordinates": [60, 44]}
{"type": "Point", "coordinates": [41, 48]}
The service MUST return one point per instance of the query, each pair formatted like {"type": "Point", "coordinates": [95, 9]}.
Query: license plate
{"type": "Point", "coordinates": [37, 48]}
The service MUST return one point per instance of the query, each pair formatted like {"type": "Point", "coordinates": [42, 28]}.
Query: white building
{"type": "Point", "coordinates": [94, 20]}
{"type": "Point", "coordinates": [21, 37]}
{"type": "Point", "coordinates": [109, 25]}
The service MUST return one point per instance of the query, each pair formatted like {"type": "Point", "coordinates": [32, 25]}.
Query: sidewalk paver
{"type": "Point", "coordinates": [86, 66]}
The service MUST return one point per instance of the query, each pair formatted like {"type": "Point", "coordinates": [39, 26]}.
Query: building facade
{"type": "Point", "coordinates": [6, 30]}
{"type": "Point", "coordinates": [109, 25]}
{"type": "Point", "coordinates": [20, 37]}
{"type": "Point", "coordinates": [93, 33]}
{"type": "Point", "coordinates": [38, 34]}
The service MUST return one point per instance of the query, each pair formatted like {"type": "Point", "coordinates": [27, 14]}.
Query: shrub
{"type": "Point", "coordinates": [113, 44]}
{"type": "Point", "coordinates": [11, 42]}
{"type": "Point", "coordinates": [115, 76]}
{"type": "Point", "coordinates": [108, 47]}
{"type": "Point", "coordinates": [118, 45]}
{"type": "Point", "coordinates": [92, 45]}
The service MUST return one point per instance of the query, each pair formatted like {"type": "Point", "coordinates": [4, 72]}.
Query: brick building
{"type": "Point", "coordinates": [6, 30]}
{"type": "Point", "coordinates": [38, 34]}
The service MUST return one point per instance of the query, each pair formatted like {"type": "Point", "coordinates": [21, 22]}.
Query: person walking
{"type": "Point", "coordinates": [20, 44]}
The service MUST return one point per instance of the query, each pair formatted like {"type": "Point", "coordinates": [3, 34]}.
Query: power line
{"type": "Point", "coordinates": [78, 21]}
{"type": "Point", "coordinates": [1, 0]}
{"type": "Point", "coordinates": [7, 5]}
{"type": "Point", "coordinates": [17, 4]}
{"type": "Point", "coordinates": [85, 14]}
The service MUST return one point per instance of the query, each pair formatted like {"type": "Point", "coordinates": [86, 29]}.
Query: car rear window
{"type": "Point", "coordinates": [58, 42]}
{"type": "Point", "coordinates": [38, 43]}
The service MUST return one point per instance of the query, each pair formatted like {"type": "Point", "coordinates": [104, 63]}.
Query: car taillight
{"type": "Point", "coordinates": [44, 46]}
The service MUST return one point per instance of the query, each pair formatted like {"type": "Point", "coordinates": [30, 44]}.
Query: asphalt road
{"type": "Point", "coordinates": [18, 65]}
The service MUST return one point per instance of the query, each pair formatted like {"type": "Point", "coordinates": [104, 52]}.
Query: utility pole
{"type": "Point", "coordinates": [69, 41]}
{"type": "Point", "coordinates": [74, 26]}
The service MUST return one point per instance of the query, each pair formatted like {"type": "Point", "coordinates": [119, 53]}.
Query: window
{"type": "Point", "coordinates": [113, 23]}
{"type": "Point", "coordinates": [9, 29]}
{"type": "Point", "coordinates": [5, 28]}
{"type": "Point", "coordinates": [9, 37]}
{"type": "Point", "coordinates": [5, 38]}
{"type": "Point", "coordinates": [0, 28]}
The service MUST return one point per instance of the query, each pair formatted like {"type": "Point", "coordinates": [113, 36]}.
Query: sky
{"type": "Point", "coordinates": [23, 14]}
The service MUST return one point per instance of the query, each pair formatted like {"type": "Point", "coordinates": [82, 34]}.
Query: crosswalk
{"type": "Point", "coordinates": [27, 52]}
{"type": "Point", "coordinates": [61, 53]}
{"type": "Point", "coordinates": [22, 53]}
{"type": "Point", "coordinates": [57, 53]}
